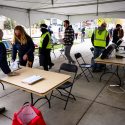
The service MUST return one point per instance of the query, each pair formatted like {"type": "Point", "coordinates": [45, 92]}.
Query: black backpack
{"type": "Point", "coordinates": [107, 52]}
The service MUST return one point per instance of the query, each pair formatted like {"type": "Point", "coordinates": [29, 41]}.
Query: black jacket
{"type": "Point", "coordinates": [2, 52]}
{"type": "Point", "coordinates": [28, 49]}
{"type": "Point", "coordinates": [68, 36]}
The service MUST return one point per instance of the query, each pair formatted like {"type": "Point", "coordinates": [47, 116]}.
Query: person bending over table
{"type": "Point", "coordinates": [23, 44]}
{"type": "Point", "coordinates": [3, 62]}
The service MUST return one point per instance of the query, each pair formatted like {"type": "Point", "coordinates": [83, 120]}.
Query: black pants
{"type": "Point", "coordinates": [4, 66]}
{"type": "Point", "coordinates": [28, 62]}
{"type": "Point", "coordinates": [44, 58]}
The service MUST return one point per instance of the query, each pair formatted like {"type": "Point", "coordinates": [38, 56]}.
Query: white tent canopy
{"type": "Point", "coordinates": [27, 12]}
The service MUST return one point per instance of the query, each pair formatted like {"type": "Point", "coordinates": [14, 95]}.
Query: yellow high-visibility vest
{"type": "Point", "coordinates": [49, 46]}
{"type": "Point", "coordinates": [100, 39]}
{"type": "Point", "coordinates": [0, 41]}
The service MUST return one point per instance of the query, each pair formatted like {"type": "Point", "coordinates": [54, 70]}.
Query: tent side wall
{"type": "Point", "coordinates": [80, 18]}
{"type": "Point", "coordinates": [19, 15]}
{"type": "Point", "coordinates": [35, 16]}
{"type": "Point", "coordinates": [22, 16]}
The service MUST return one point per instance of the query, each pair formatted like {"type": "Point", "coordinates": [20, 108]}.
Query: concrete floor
{"type": "Point", "coordinates": [95, 104]}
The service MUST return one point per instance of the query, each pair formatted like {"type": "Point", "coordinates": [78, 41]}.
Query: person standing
{"type": "Point", "coordinates": [76, 35]}
{"type": "Point", "coordinates": [118, 34]}
{"type": "Point", "coordinates": [45, 48]}
{"type": "Point", "coordinates": [100, 39]}
{"type": "Point", "coordinates": [68, 40]}
{"type": "Point", "coordinates": [23, 44]}
{"type": "Point", "coordinates": [82, 34]}
{"type": "Point", "coordinates": [3, 62]}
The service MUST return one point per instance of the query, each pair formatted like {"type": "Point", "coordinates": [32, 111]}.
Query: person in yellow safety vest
{"type": "Point", "coordinates": [45, 48]}
{"type": "Point", "coordinates": [100, 39]}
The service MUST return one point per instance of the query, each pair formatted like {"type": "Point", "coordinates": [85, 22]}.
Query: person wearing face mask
{"type": "Point", "coordinates": [23, 44]}
{"type": "Point", "coordinates": [45, 48]}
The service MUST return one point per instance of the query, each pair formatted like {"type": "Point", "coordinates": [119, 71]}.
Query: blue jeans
{"type": "Point", "coordinates": [67, 53]}
{"type": "Point", "coordinates": [97, 53]}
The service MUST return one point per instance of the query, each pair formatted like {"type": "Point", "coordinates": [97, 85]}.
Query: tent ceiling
{"type": "Point", "coordinates": [63, 8]}
{"type": "Point", "coordinates": [67, 7]}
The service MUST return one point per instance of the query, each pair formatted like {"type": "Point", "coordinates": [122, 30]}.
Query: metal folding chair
{"type": "Point", "coordinates": [67, 86]}
{"type": "Point", "coordinates": [83, 65]}
{"type": "Point", "coordinates": [92, 50]}
{"type": "Point", "coordinates": [62, 51]}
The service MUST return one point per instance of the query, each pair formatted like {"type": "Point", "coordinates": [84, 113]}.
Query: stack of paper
{"type": "Point", "coordinates": [32, 79]}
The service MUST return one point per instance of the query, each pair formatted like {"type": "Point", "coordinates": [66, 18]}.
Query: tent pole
{"type": "Point", "coordinates": [29, 20]}
{"type": "Point", "coordinates": [52, 1]}
{"type": "Point", "coordinates": [68, 17]}
{"type": "Point", "coordinates": [97, 8]}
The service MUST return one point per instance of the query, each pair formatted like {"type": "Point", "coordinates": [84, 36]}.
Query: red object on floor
{"type": "Point", "coordinates": [37, 120]}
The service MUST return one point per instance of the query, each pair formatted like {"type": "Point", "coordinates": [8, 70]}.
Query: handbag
{"type": "Point", "coordinates": [28, 115]}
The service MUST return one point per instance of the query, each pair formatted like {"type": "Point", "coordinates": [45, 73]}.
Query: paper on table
{"type": "Point", "coordinates": [32, 79]}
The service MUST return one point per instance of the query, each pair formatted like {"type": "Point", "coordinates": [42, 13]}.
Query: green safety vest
{"type": "Point", "coordinates": [0, 41]}
{"type": "Point", "coordinates": [100, 39]}
{"type": "Point", "coordinates": [49, 46]}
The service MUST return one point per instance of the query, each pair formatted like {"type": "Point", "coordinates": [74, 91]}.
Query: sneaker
{"type": "Point", "coordinates": [74, 62]}
{"type": "Point", "coordinates": [50, 66]}
{"type": "Point", "coordinates": [2, 110]}
{"type": "Point", "coordinates": [12, 74]}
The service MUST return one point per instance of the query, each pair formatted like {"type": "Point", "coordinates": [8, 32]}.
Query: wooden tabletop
{"type": "Point", "coordinates": [51, 80]}
{"type": "Point", "coordinates": [112, 60]}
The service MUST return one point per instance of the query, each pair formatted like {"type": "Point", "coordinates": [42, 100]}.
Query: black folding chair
{"type": "Point", "coordinates": [92, 50]}
{"type": "Point", "coordinates": [62, 51]}
{"type": "Point", "coordinates": [83, 65]}
{"type": "Point", "coordinates": [67, 86]}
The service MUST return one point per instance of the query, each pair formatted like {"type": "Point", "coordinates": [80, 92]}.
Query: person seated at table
{"type": "Point", "coordinates": [3, 62]}
{"type": "Point", "coordinates": [23, 44]}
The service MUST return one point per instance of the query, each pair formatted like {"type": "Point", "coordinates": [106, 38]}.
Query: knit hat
{"type": "Point", "coordinates": [44, 26]}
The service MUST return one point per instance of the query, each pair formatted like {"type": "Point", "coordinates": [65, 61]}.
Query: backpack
{"type": "Point", "coordinates": [107, 52]}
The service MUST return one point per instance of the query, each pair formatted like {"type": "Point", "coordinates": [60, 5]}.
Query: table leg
{"type": "Point", "coordinates": [33, 103]}
{"type": "Point", "coordinates": [53, 51]}
{"type": "Point", "coordinates": [48, 101]}
{"type": "Point", "coordinates": [2, 85]}
{"type": "Point", "coordinates": [32, 99]}
{"type": "Point", "coordinates": [113, 73]}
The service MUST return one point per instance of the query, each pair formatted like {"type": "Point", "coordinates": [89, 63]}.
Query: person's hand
{"type": "Point", "coordinates": [13, 74]}
{"type": "Point", "coordinates": [25, 57]}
